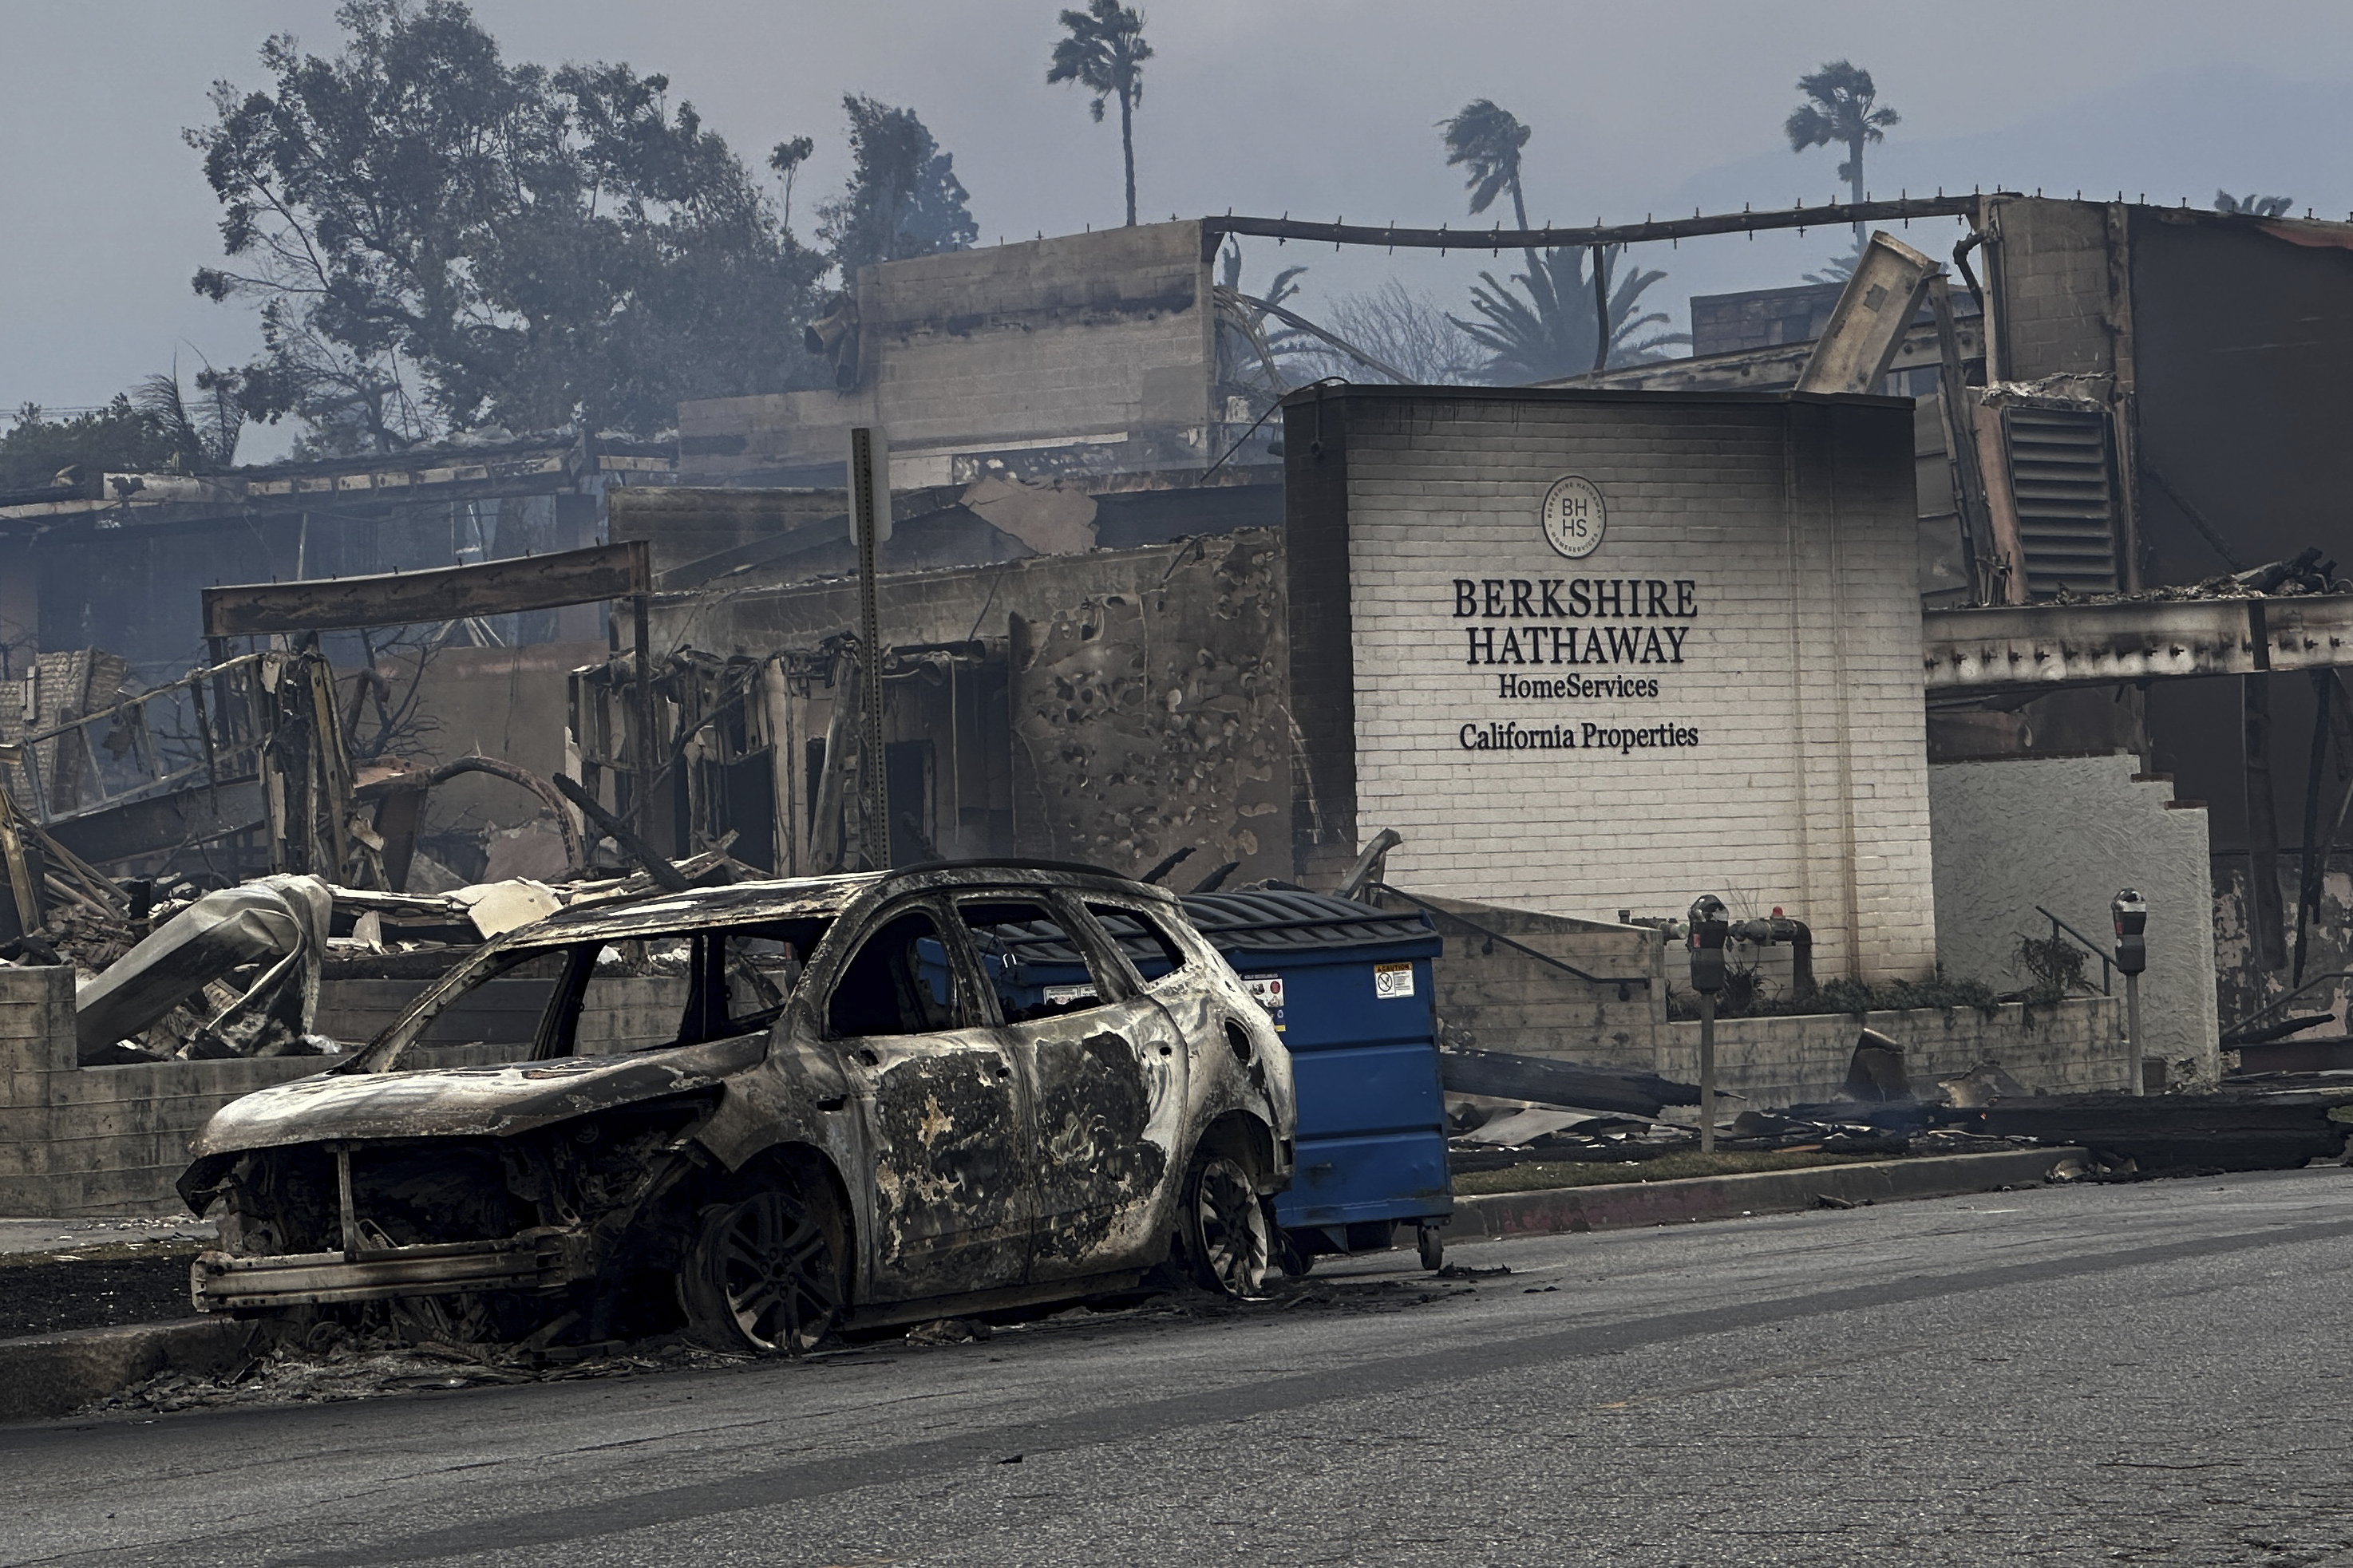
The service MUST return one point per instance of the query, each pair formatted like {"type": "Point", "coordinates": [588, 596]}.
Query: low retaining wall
{"type": "Point", "coordinates": [112, 1139]}
{"type": "Point", "coordinates": [1627, 1205]}
{"type": "Point", "coordinates": [2058, 1048]}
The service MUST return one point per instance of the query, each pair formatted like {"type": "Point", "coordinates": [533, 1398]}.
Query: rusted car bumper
{"type": "Point", "coordinates": [542, 1259]}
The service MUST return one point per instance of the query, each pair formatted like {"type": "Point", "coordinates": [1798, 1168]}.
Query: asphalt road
{"type": "Point", "coordinates": [2148, 1374]}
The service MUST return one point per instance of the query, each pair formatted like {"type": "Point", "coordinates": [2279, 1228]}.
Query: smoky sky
{"type": "Point", "coordinates": [1318, 108]}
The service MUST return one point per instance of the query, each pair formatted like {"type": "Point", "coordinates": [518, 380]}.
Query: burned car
{"type": "Point", "coordinates": [762, 1111]}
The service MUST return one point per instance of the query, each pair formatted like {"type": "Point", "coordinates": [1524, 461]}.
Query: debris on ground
{"type": "Point", "coordinates": [2230, 1129]}
{"type": "Point", "coordinates": [274, 928]}
{"type": "Point", "coordinates": [948, 1332]}
{"type": "Point", "coordinates": [329, 1362]}
{"type": "Point", "coordinates": [332, 1363]}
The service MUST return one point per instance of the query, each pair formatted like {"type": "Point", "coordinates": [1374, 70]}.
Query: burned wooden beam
{"type": "Point", "coordinates": [657, 866]}
{"type": "Point", "coordinates": [1501, 1076]}
{"type": "Point", "coordinates": [449, 592]}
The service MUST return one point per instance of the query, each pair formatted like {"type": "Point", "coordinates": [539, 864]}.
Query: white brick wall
{"type": "Point", "coordinates": [1808, 788]}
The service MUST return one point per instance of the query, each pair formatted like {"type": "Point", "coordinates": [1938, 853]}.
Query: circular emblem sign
{"type": "Point", "coordinates": [1574, 517]}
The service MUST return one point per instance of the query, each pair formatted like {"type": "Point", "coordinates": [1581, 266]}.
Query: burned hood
{"type": "Point", "coordinates": [454, 1102]}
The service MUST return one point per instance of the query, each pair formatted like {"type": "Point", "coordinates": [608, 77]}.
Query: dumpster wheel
{"type": "Point", "coordinates": [1431, 1243]}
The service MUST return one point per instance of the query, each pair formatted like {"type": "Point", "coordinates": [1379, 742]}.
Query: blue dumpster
{"type": "Point", "coordinates": [1349, 987]}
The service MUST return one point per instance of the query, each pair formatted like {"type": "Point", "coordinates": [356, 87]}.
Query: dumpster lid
{"type": "Point", "coordinates": [1274, 921]}
{"type": "Point", "coordinates": [1271, 922]}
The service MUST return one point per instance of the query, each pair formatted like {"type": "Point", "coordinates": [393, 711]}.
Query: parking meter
{"type": "Point", "coordinates": [2131, 914]}
{"type": "Point", "coordinates": [1708, 930]}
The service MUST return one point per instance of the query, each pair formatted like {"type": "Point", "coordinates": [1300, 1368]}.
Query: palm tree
{"type": "Point", "coordinates": [1553, 334]}
{"type": "Point", "coordinates": [1845, 110]}
{"type": "Point", "coordinates": [202, 433]}
{"type": "Point", "coordinates": [1105, 53]}
{"type": "Point", "coordinates": [1488, 137]}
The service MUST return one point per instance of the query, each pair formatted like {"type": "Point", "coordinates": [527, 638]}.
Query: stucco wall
{"type": "Point", "coordinates": [1147, 699]}
{"type": "Point", "coordinates": [2069, 833]}
{"type": "Point", "coordinates": [1105, 337]}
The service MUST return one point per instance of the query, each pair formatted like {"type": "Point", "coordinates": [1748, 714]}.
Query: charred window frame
{"type": "Point", "coordinates": [964, 1007]}
{"type": "Point", "coordinates": [722, 978]}
{"type": "Point", "coordinates": [384, 1053]}
{"type": "Point", "coordinates": [1108, 976]}
{"type": "Point", "coordinates": [1143, 940]}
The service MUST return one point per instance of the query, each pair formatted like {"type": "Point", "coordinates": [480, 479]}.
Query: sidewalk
{"type": "Point", "coordinates": [19, 1235]}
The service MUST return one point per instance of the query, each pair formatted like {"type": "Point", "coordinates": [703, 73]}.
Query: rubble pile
{"type": "Point", "coordinates": [2275, 1125]}
{"type": "Point", "coordinates": [333, 1363]}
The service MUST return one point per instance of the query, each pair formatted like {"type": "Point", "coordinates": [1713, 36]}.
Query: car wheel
{"type": "Point", "coordinates": [1226, 1238]}
{"type": "Point", "coordinates": [762, 1276]}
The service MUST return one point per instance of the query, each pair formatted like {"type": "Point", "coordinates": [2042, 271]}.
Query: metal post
{"type": "Point", "coordinates": [641, 806]}
{"type": "Point", "coordinates": [870, 516]}
{"type": "Point", "coordinates": [1708, 1072]}
{"type": "Point", "coordinates": [2133, 1065]}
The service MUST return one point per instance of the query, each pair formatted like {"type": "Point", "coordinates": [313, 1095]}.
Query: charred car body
{"type": "Point", "coordinates": [768, 1110]}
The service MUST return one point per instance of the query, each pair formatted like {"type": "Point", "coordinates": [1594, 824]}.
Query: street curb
{"type": "Point", "coordinates": [57, 1375]}
{"type": "Point", "coordinates": [1624, 1206]}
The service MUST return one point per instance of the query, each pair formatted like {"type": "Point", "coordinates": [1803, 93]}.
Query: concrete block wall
{"type": "Point", "coordinates": [1793, 521]}
{"type": "Point", "coordinates": [77, 1139]}
{"type": "Point", "coordinates": [1494, 997]}
{"type": "Point", "coordinates": [2069, 833]}
{"type": "Point", "coordinates": [1104, 335]}
{"type": "Point", "coordinates": [2068, 1047]}
{"type": "Point", "coordinates": [83, 1140]}
{"type": "Point", "coordinates": [2049, 265]}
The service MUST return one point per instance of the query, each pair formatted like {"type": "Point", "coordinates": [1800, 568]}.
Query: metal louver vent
{"type": "Point", "coordinates": [2066, 515]}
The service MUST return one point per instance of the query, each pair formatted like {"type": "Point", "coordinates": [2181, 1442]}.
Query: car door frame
{"type": "Point", "coordinates": [1126, 1192]}
{"type": "Point", "coordinates": [974, 1264]}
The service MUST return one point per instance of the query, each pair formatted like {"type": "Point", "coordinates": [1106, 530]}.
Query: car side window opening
{"type": "Point", "coordinates": [900, 982]}
{"type": "Point", "coordinates": [1037, 968]}
{"type": "Point", "coordinates": [679, 990]}
{"type": "Point", "coordinates": [1140, 938]}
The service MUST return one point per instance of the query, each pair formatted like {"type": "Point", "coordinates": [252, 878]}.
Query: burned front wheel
{"type": "Point", "coordinates": [762, 1275]}
{"type": "Point", "coordinates": [1226, 1238]}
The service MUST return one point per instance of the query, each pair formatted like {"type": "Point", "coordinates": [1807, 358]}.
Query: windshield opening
{"type": "Point", "coordinates": [606, 998]}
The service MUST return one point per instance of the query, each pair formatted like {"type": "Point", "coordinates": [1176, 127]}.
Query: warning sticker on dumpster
{"type": "Point", "coordinates": [1266, 990]}
{"type": "Point", "coordinates": [1391, 981]}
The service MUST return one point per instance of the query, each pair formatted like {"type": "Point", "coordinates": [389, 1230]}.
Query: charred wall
{"type": "Point", "coordinates": [1137, 697]}
{"type": "Point", "coordinates": [2243, 329]}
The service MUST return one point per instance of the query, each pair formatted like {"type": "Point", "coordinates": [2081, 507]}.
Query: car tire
{"type": "Point", "coordinates": [761, 1277]}
{"type": "Point", "coordinates": [1227, 1239]}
